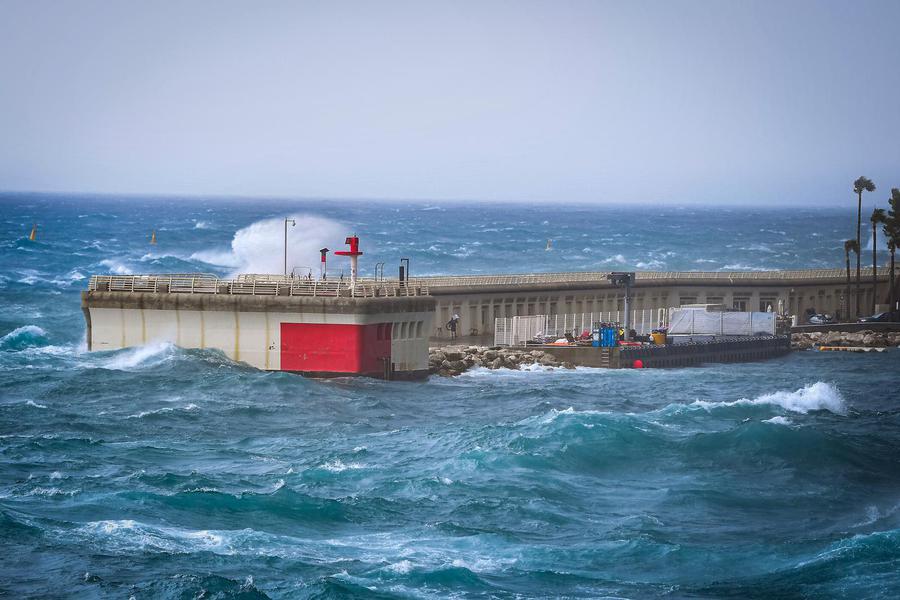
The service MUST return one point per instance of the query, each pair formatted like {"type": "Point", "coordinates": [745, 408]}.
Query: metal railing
{"type": "Point", "coordinates": [512, 331]}
{"type": "Point", "coordinates": [253, 285]}
{"type": "Point", "coordinates": [798, 275]}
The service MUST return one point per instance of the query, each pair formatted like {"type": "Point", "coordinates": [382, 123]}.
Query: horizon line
{"type": "Point", "coordinates": [453, 201]}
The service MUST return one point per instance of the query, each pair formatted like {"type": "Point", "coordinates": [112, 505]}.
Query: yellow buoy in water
{"type": "Point", "coordinates": [153, 237]}
{"type": "Point", "coordinates": [33, 233]}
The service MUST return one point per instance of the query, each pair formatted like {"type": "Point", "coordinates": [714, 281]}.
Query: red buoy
{"type": "Point", "coordinates": [638, 364]}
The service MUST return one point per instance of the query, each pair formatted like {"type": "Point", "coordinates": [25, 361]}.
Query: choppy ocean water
{"type": "Point", "coordinates": [160, 472]}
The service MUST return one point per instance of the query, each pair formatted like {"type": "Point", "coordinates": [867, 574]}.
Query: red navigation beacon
{"type": "Point", "coordinates": [354, 255]}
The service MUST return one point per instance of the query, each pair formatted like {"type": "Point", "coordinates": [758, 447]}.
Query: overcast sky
{"type": "Point", "coordinates": [678, 101]}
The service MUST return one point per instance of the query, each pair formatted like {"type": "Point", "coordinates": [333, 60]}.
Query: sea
{"type": "Point", "coordinates": [160, 472]}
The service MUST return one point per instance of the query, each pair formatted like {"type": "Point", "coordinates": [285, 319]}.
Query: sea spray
{"type": "Point", "coordinates": [816, 396]}
{"type": "Point", "coordinates": [259, 247]}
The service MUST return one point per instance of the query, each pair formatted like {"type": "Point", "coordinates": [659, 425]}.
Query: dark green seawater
{"type": "Point", "coordinates": [157, 472]}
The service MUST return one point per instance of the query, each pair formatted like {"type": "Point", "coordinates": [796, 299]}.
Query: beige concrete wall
{"type": "Point", "coordinates": [409, 343]}
{"type": "Point", "coordinates": [250, 337]}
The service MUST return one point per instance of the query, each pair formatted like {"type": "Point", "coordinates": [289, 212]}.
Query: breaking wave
{"type": "Point", "coordinates": [141, 356]}
{"type": "Point", "coordinates": [259, 248]}
{"type": "Point", "coordinates": [817, 396]}
{"type": "Point", "coordinates": [27, 336]}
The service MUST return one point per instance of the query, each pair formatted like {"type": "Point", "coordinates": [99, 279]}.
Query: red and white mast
{"type": "Point", "coordinates": [354, 255]}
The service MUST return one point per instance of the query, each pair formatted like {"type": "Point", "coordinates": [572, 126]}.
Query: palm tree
{"type": "Point", "coordinates": [878, 218]}
{"type": "Point", "coordinates": [892, 247]}
{"type": "Point", "coordinates": [849, 246]}
{"type": "Point", "coordinates": [862, 184]}
{"type": "Point", "coordinates": [892, 231]}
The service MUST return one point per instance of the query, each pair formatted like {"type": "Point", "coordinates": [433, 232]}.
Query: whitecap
{"type": "Point", "coordinates": [115, 267]}
{"type": "Point", "coordinates": [139, 356]}
{"type": "Point", "coordinates": [403, 567]}
{"type": "Point", "coordinates": [817, 396]}
{"type": "Point", "coordinates": [779, 420]}
{"type": "Point", "coordinates": [338, 466]}
{"type": "Point", "coordinates": [35, 404]}
{"type": "Point", "coordinates": [22, 337]}
{"type": "Point", "coordinates": [163, 410]}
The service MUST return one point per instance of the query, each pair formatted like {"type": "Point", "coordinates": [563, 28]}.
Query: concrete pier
{"type": "Point", "coordinates": [481, 299]}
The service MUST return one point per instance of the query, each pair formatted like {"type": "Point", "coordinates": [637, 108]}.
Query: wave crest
{"type": "Point", "coordinates": [23, 337]}
{"type": "Point", "coordinates": [816, 396]}
{"type": "Point", "coordinates": [259, 247]}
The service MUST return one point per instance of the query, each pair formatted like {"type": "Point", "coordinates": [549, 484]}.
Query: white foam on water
{"type": "Point", "coordinates": [779, 420]}
{"type": "Point", "coordinates": [816, 396]}
{"type": "Point", "coordinates": [338, 466]}
{"type": "Point", "coordinates": [25, 329]}
{"type": "Point", "coordinates": [403, 567]}
{"type": "Point", "coordinates": [743, 267]}
{"type": "Point", "coordinates": [35, 404]}
{"type": "Point", "coordinates": [165, 409]}
{"type": "Point", "coordinates": [528, 370]}
{"type": "Point", "coordinates": [116, 267]}
{"type": "Point", "coordinates": [650, 264]}
{"type": "Point", "coordinates": [127, 533]}
{"type": "Point", "coordinates": [201, 225]}
{"type": "Point", "coordinates": [140, 356]}
{"type": "Point", "coordinates": [259, 248]}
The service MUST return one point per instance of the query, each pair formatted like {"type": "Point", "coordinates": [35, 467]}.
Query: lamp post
{"type": "Point", "coordinates": [293, 224]}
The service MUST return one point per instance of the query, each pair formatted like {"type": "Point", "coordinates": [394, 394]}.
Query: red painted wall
{"type": "Point", "coordinates": [327, 348]}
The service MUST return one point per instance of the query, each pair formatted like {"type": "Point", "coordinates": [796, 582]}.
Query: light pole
{"type": "Point", "coordinates": [293, 224]}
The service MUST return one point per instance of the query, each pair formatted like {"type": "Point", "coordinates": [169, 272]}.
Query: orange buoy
{"type": "Point", "coordinates": [638, 364]}
{"type": "Point", "coordinates": [33, 233]}
{"type": "Point", "coordinates": [153, 237]}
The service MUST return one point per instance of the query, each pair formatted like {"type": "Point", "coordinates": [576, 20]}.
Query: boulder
{"type": "Point", "coordinates": [453, 354]}
{"type": "Point", "coordinates": [490, 354]}
{"type": "Point", "coordinates": [459, 365]}
{"type": "Point", "coordinates": [497, 363]}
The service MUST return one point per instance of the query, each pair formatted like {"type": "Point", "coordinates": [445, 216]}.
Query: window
{"type": "Point", "coordinates": [419, 329]}
{"type": "Point", "coordinates": [740, 303]}
{"type": "Point", "coordinates": [404, 330]}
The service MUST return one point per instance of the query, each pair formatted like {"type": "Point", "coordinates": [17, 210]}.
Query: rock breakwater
{"type": "Point", "coordinates": [453, 360]}
{"type": "Point", "coordinates": [864, 339]}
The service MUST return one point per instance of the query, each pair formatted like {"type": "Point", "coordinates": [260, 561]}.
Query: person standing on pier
{"type": "Point", "coordinates": [452, 324]}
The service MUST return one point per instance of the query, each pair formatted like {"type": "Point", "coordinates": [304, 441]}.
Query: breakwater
{"type": "Point", "coordinates": [480, 299]}
{"type": "Point", "coordinates": [864, 339]}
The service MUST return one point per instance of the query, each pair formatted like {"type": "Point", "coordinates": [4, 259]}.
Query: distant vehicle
{"type": "Point", "coordinates": [819, 319]}
{"type": "Point", "coordinates": [882, 317]}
